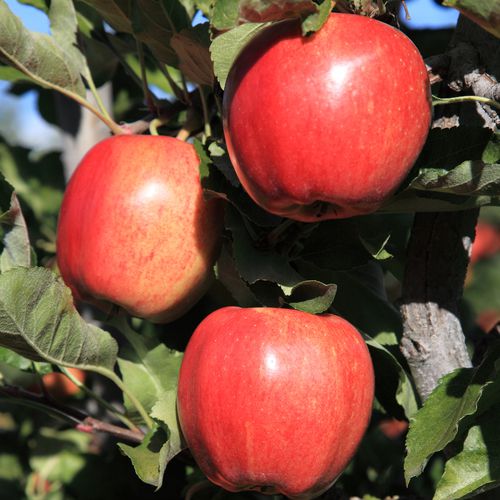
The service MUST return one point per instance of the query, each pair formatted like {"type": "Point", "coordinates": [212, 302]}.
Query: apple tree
{"type": "Point", "coordinates": [271, 187]}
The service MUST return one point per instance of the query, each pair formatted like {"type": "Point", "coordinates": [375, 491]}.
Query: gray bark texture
{"type": "Point", "coordinates": [439, 248]}
{"type": "Point", "coordinates": [433, 342]}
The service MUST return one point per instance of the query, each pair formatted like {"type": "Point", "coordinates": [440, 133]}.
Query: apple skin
{"type": "Point", "coordinates": [134, 229]}
{"type": "Point", "coordinates": [326, 126]}
{"type": "Point", "coordinates": [274, 400]}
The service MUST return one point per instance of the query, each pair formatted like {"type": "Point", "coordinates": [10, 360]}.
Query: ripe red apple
{"type": "Point", "coordinates": [326, 126]}
{"type": "Point", "coordinates": [134, 229]}
{"type": "Point", "coordinates": [58, 385]}
{"type": "Point", "coordinates": [486, 242]}
{"type": "Point", "coordinates": [393, 428]}
{"type": "Point", "coordinates": [274, 400]}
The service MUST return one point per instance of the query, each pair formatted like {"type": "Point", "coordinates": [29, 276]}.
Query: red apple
{"type": "Point", "coordinates": [134, 229]}
{"type": "Point", "coordinates": [393, 428]}
{"type": "Point", "coordinates": [274, 400]}
{"type": "Point", "coordinates": [486, 242]}
{"type": "Point", "coordinates": [58, 385]}
{"type": "Point", "coordinates": [326, 126]}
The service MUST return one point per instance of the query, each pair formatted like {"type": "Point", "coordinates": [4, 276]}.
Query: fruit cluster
{"type": "Point", "coordinates": [322, 127]}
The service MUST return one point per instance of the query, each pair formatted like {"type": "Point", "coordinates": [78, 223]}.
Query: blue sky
{"type": "Point", "coordinates": [37, 134]}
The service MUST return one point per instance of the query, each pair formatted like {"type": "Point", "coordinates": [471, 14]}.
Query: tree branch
{"type": "Point", "coordinates": [438, 254]}
{"type": "Point", "coordinates": [438, 251]}
{"type": "Point", "coordinates": [73, 416]}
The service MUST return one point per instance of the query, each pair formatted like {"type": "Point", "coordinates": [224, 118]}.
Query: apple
{"type": "Point", "coordinates": [274, 400]}
{"type": "Point", "coordinates": [326, 126]}
{"type": "Point", "coordinates": [134, 229]}
{"type": "Point", "coordinates": [392, 428]}
{"type": "Point", "coordinates": [486, 242]}
{"type": "Point", "coordinates": [59, 386]}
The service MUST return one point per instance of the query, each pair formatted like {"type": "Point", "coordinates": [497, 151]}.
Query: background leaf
{"type": "Point", "coordinates": [484, 13]}
{"type": "Point", "coordinates": [192, 48]}
{"type": "Point", "coordinates": [151, 23]}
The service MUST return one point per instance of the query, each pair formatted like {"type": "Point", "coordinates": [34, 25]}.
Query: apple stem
{"type": "Point", "coordinates": [111, 124]}
{"type": "Point", "coordinates": [114, 411]}
{"type": "Point", "coordinates": [149, 97]}
{"type": "Point", "coordinates": [183, 134]}
{"type": "Point", "coordinates": [381, 7]}
{"type": "Point", "coordinates": [407, 12]}
{"type": "Point", "coordinates": [97, 97]}
{"type": "Point", "coordinates": [154, 124]}
{"type": "Point", "coordinates": [177, 91]}
{"type": "Point", "coordinates": [204, 107]}
{"type": "Point", "coordinates": [438, 101]}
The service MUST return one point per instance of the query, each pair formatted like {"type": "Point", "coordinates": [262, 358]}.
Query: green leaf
{"type": "Point", "coordinates": [149, 369]}
{"type": "Point", "coordinates": [471, 178]}
{"type": "Point", "coordinates": [470, 184]}
{"type": "Point", "coordinates": [312, 296]}
{"type": "Point", "coordinates": [219, 179]}
{"type": "Point", "coordinates": [11, 467]}
{"type": "Point", "coordinates": [228, 14]}
{"type": "Point", "coordinates": [15, 360]}
{"type": "Point", "coordinates": [259, 265]}
{"type": "Point", "coordinates": [451, 173]}
{"type": "Point", "coordinates": [437, 422]}
{"type": "Point", "coordinates": [226, 48]}
{"type": "Point", "coordinates": [485, 13]}
{"type": "Point", "coordinates": [476, 468]}
{"type": "Point", "coordinates": [64, 27]}
{"type": "Point", "coordinates": [59, 455]}
{"type": "Point", "coordinates": [220, 158]}
{"type": "Point", "coordinates": [16, 243]}
{"type": "Point", "coordinates": [491, 153]}
{"type": "Point", "coordinates": [150, 457]}
{"type": "Point", "coordinates": [165, 411]}
{"type": "Point", "coordinates": [50, 61]}
{"type": "Point", "coordinates": [371, 312]}
{"type": "Point", "coordinates": [392, 383]}
{"type": "Point", "coordinates": [150, 373]}
{"type": "Point", "coordinates": [38, 320]}
{"type": "Point", "coordinates": [8, 73]}
{"type": "Point", "coordinates": [335, 245]}
{"type": "Point", "coordinates": [38, 4]}
{"type": "Point", "coordinates": [227, 273]}
{"type": "Point", "coordinates": [39, 184]}
{"type": "Point", "coordinates": [315, 21]}
{"type": "Point", "coordinates": [192, 48]}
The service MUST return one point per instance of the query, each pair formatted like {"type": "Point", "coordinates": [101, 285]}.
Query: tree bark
{"type": "Point", "coordinates": [438, 253]}
{"type": "Point", "coordinates": [439, 248]}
